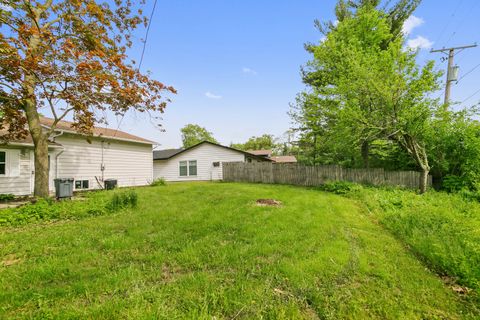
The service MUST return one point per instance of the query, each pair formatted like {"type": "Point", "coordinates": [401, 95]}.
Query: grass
{"type": "Point", "coordinates": [442, 229]}
{"type": "Point", "coordinates": [204, 250]}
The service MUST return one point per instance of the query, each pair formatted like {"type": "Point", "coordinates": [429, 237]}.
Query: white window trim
{"type": "Point", "coordinates": [81, 180]}
{"type": "Point", "coordinates": [188, 169]}
{"type": "Point", "coordinates": [6, 163]}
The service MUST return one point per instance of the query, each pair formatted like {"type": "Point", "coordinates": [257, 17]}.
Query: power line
{"type": "Point", "coordinates": [471, 96]}
{"type": "Point", "coordinates": [462, 21]}
{"type": "Point", "coordinates": [449, 21]}
{"type": "Point", "coordinates": [466, 74]}
{"type": "Point", "coordinates": [143, 53]}
{"type": "Point", "coordinates": [146, 34]}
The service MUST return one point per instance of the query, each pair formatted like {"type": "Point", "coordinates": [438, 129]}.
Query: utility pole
{"type": "Point", "coordinates": [452, 71]}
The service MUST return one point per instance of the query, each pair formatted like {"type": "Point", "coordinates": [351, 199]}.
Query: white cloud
{"type": "Point", "coordinates": [419, 43]}
{"type": "Point", "coordinates": [411, 23]}
{"type": "Point", "coordinates": [5, 7]}
{"type": "Point", "coordinates": [210, 95]}
{"type": "Point", "coordinates": [249, 71]}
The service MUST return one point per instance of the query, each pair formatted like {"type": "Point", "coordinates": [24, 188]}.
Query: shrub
{"type": "Point", "coordinates": [158, 182]}
{"type": "Point", "coordinates": [6, 197]}
{"type": "Point", "coordinates": [453, 183]}
{"type": "Point", "coordinates": [121, 200]}
{"type": "Point", "coordinates": [340, 187]}
{"type": "Point", "coordinates": [95, 204]}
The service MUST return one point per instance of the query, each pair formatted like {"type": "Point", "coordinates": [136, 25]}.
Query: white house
{"type": "Point", "coordinates": [199, 162]}
{"type": "Point", "coordinates": [108, 154]}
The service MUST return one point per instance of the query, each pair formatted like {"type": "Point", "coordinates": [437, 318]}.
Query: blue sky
{"type": "Point", "coordinates": [236, 63]}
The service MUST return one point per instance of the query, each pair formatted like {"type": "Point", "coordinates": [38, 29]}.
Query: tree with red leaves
{"type": "Point", "coordinates": [69, 56]}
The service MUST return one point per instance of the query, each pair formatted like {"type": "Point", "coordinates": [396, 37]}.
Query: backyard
{"type": "Point", "coordinates": [208, 251]}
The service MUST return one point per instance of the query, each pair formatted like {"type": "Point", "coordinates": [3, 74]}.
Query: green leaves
{"type": "Point", "coordinates": [193, 134]}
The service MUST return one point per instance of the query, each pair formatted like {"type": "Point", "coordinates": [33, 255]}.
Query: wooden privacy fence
{"type": "Point", "coordinates": [297, 174]}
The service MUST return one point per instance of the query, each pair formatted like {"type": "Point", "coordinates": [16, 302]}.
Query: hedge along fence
{"type": "Point", "coordinates": [298, 174]}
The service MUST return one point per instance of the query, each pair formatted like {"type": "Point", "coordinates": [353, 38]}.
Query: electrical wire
{"type": "Point", "coordinates": [466, 74]}
{"type": "Point", "coordinates": [146, 34]}
{"type": "Point", "coordinates": [462, 21]}
{"type": "Point", "coordinates": [449, 21]}
{"type": "Point", "coordinates": [143, 53]}
{"type": "Point", "coordinates": [471, 96]}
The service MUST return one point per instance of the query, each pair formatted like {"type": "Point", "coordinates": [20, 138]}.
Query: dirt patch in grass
{"type": "Point", "coordinates": [268, 203]}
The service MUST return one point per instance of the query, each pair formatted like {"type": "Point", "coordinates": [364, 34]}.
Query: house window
{"type": "Point", "coordinates": [188, 168]}
{"type": "Point", "coordinates": [183, 169]}
{"type": "Point", "coordinates": [192, 168]}
{"type": "Point", "coordinates": [81, 184]}
{"type": "Point", "coordinates": [216, 164]}
{"type": "Point", "coordinates": [3, 162]}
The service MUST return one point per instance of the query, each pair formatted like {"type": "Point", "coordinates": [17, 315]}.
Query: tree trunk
{"type": "Point", "coordinates": [40, 142]}
{"type": "Point", "coordinates": [423, 183]}
{"type": "Point", "coordinates": [366, 154]}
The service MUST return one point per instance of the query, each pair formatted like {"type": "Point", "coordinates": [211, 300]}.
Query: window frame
{"type": "Point", "coordinates": [187, 164]}
{"type": "Point", "coordinates": [82, 184]}
{"type": "Point", "coordinates": [180, 168]}
{"type": "Point", "coordinates": [196, 168]}
{"type": "Point", "coordinates": [5, 162]}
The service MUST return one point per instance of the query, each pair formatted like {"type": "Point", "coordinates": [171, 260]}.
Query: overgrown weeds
{"type": "Point", "coordinates": [441, 228]}
{"type": "Point", "coordinates": [95, 204]}
{"type": "Point", "coordinates": [158, 182]}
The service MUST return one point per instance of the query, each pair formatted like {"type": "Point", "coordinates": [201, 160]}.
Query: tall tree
{"type": "Point", "coordinates": [320, 79]}
{"type": "Point", "coordinates": [263, 142]}
{"type": "Point", "coordinates": [382, 91]}
{"type": "Point", "coordinates": [69, 56]}
{"type": "Point", "coordinates": [193, 134]}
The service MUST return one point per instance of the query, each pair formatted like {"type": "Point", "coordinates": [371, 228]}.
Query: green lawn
{"type": "Point", "coordinates": [204, 250]}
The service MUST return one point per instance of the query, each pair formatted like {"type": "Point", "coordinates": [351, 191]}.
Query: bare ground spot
{"type": "Point", "coordinates": [268, 202]}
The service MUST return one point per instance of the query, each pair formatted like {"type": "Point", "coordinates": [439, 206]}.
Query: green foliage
{"type": "Point", "coordinates": [122, 200]}
{"type": "Point", "coordinates": [204, 250]}
{"type": "Point", "coordinates": [340, 187]}
{"type": "Point", "coordinates": [366, 88]}
{"type": "Point", "coordinates": [6, 197]}
{"type": "Point", "coordinates": [264, 142]}
{"type": "Point", "coordinates": [95, 204]}
{"type": "Point", "coordinates": [193, 134]}
{"type": "Point", "coordinates": [453, 183]}
{"type": "Point", "coordinates": [455, 149]}
{"type": "Point", "coordinates": [158, 182]}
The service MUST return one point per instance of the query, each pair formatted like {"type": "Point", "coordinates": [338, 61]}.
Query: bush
{"type": "Point", "coordinates": [95, 204]}
{"type": "Point", "coordinates": [158, 182]}
{"type": "Point", "coordinates": [122, 200]}
{"type": "Point", "coordinates": [453, 183]}
{"type": "Point", "coordinates": [340, 187]}
{"type": "Point", "coordinates": [6, 197]}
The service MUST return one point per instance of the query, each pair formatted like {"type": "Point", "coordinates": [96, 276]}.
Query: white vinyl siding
{"type": "Point", "coordinates": [18, 170]}
{"type": "Point", "coordinates": [130, 163]}
{"type": "Point", "coordinates": [205, 156]}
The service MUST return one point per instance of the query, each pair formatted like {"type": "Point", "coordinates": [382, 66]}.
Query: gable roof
{"type": "Point", "coordinates": [165, 154]}
{"type": "Point", "coordinates": [170, 153]}
{"type": "Point", "coordinates": [96, 131]}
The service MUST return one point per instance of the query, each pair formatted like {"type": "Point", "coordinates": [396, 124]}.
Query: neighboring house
{"type": "Point", "coordinates": [277, 159]}
{"type": "Point", "coordinates": [202, 161]}
{"type": "Point", "coordinates": [284, 159]}
{"type": "Point", "coordinates": [107, 154]}
{"type": "Point", "coordinates": [261, 153]}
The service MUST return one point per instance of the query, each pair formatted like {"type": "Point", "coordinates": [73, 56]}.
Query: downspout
{"type": "Point", "coordinates": [58, 154]}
